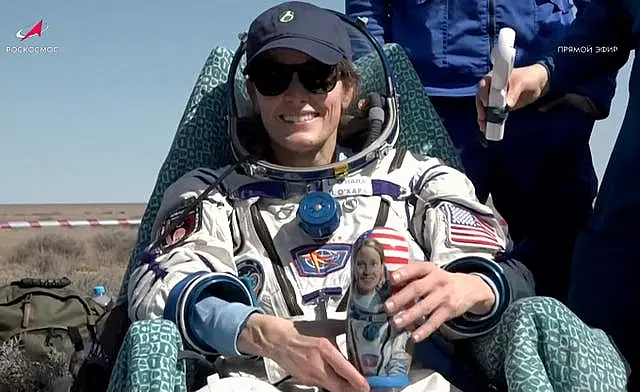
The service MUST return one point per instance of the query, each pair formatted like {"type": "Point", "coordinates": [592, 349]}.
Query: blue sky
{"type": "Point", "coordinates": [94, 122]}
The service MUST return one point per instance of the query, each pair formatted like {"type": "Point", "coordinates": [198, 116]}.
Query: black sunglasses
{"type": "Point", "coordinates": [272, 78]}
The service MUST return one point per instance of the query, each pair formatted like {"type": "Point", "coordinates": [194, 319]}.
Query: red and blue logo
{"type": "Point", "coordinates": [320, 260]}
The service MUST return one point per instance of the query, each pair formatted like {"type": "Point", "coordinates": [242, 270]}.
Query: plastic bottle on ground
{"type": "Point", "coordinates": [101, 297]}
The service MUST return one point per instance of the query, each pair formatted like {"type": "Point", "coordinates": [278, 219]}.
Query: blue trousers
{"type": "Point", "coordinates": [606, 263]}
{"type": "Point", "coordinates": [541, 179]}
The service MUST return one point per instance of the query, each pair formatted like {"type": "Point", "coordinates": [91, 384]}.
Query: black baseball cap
{"type": "Point", "coordinates": [301, 26]}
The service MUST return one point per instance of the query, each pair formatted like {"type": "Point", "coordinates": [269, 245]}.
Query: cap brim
{"type": "Point", "coordinates": [314, 49]}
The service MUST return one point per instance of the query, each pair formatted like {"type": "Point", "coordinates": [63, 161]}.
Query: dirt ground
{"type": "Point", "coordinates": [10, 212]}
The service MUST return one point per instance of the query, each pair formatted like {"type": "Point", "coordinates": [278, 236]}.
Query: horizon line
{"type": "Point", "coordinates": [70, 203]}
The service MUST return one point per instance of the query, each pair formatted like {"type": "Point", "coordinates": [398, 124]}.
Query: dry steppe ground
{"type": "Point", "coordinates": [88, 256]}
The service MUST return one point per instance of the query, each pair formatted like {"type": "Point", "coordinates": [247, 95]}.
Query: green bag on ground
{"type": "Point", "coordinates": [47, 316]}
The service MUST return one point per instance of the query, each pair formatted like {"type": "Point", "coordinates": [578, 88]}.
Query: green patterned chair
{"type": "Point", "coordinates": [149, 358]}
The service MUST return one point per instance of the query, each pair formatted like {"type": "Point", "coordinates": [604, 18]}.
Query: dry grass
{"type": "Point", "coordinates": [99, 260]}
{"type": "Point", "coordinates": [87, 256]}
{"type": "Point", "coordinates": [19, 374]}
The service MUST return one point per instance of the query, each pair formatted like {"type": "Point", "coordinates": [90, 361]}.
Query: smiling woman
{"type": "Point", "coordinates": [301, 101]}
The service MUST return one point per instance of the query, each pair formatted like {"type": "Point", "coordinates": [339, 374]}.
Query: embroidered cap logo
{"type": "Point", "coordinates": [286, 16]}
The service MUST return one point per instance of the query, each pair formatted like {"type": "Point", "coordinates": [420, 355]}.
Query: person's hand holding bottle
{"type": "Point", "coordinates": [526, 85]}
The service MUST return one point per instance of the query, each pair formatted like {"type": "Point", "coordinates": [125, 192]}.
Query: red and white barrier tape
{"type": "Point", "coordinates": [66, 223]}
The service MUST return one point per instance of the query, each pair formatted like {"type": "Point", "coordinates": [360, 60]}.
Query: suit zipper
{"type": "Point", "coordinates": [288, 292]}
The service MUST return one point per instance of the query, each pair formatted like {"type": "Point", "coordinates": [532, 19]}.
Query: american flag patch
{"type": "Point", "coordinates": [467, 229]}
{"type": "Point", "coordinates": [394, 245]}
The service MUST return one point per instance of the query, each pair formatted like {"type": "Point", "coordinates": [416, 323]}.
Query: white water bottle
{"type": "Point", "coordinates": [502, 57]}
{"type": "Point", "coordinates": [101, 297]}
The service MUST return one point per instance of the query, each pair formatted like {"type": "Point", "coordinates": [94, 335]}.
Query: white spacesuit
{"type": "Point", "coordinates": [288, 233]}
{"type": "Point", "coordinates": [221, 235]}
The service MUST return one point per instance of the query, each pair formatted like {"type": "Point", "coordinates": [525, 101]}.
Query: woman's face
{"type": "Point", "coordinates": [369, 270]}
{"type": "Point", "coordinates": [300, 124]}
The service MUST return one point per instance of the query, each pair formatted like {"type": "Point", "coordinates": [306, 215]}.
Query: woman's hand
{"type": "Point", "coordinates": [425, 291]}
{"type": "Point", "coordinates": [526, 85]}
{"type": "Point", "coordinates": [309, 360]}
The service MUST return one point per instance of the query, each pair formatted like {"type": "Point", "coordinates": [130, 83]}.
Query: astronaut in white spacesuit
{"type": "Point", "coordinates": [257, 265]}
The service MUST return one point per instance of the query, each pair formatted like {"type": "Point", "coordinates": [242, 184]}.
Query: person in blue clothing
{"type": "Point", "coordinates": [541, 173]}
{"type": "Point", "coordinates": [606, 261]}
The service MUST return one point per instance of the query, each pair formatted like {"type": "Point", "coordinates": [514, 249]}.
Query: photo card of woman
{"type": "Point", "coordinates": [379, 351]}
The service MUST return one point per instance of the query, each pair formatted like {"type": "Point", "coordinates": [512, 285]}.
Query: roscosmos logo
{"type": "Point", "coordinates": [34, 31]}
